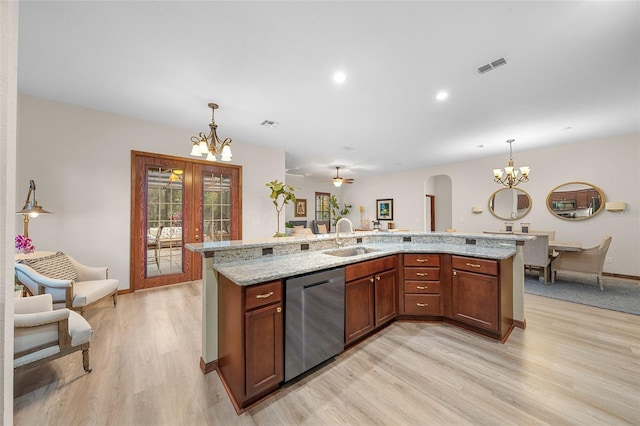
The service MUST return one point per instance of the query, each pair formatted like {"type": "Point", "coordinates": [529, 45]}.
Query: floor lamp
{"type": "Point", "coordinates": [31, 207]}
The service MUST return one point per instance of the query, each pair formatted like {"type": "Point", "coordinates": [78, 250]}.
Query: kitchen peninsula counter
{"type": "Point", "coordinates": [267, 268]}
{"type": "Point", "coordinates": [251, 262]}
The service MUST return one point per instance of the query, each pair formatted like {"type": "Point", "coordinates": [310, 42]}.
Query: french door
{"type": "Point", "coordinates": [176, 201]}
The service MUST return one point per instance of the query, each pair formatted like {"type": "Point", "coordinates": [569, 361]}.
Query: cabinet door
{"type": "Point", "coordinates": [358, 306]}
{"type": "Point", "coordinates": [386, 298]}
{"type": "Point", "coordinates": [475, 299]}
{"type": "Point", "coordinates": [582, 199]}
{"type": "Point", "coordinates": [264, 349]}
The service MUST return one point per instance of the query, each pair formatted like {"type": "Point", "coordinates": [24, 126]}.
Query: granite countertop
{"type": "Point", "coordinates": [208, 246]}
{"type": "Point", "coordinates": [267, 268]}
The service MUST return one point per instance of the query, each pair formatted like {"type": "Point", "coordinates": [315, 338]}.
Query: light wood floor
{"type": "Point", "coordinates": [572, 365]}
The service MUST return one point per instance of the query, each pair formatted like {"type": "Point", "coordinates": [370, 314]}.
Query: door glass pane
{"type": "Point", "coordinates": [216, 217]}
{"type": "Point", "coordinates": [322, 206]}
{"type": "Point", "coordinates": [164, 221]}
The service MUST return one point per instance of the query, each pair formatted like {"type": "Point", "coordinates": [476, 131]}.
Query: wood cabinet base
{"type": "Point", "coordinates": [208, 367]}
{"type": "Point", "coordinates": [500, 337]}
{"type": "Point", "coordinates": [249, 403]}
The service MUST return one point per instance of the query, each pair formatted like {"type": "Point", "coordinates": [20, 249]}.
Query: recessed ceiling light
{"type": "Point", "coordinates": [339, 77]}
{"type": "Point", "coordinates": [441, 96]}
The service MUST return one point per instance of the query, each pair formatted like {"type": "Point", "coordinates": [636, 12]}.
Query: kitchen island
{"type": "Point", "coordinates": [466, 266]}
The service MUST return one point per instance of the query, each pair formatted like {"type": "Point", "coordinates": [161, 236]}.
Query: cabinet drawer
{"type": "Point", "coordinates": [422, 304]}
{"type": "Point", "coordinates": [471, 264]}
{"type": "Point", "coordinates": [263, 294]}
{"type": "Point", "coordinates": [421, 260]}
{"type": "Point", "coordinates": [428, 274]}
{"type": "Point", "coordinates": [363, 269]}
{"type": "Point", "coordinates": [432, 287]}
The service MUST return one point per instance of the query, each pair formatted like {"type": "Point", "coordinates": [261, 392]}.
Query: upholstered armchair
{"type": "Point", "coordinates": [71, 284]}
{"type": "Point", "coordinates": [42, 334]}
{"type": "Point", "coordinates": [317, 228]}
{"type": "Point", "coordinates": [588, 261]}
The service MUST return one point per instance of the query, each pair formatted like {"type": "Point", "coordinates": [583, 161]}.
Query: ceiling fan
{"type": "Point", "coordinates": [338, 181]}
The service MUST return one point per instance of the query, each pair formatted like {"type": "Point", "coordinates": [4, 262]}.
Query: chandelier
{"type": "Point", "coordinates": [511, 177]}
{"type": "Point", "coordinates": [211, 144]}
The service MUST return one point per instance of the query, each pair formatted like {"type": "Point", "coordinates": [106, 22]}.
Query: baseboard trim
{"type": "Point", "coordinates": [208, 367]}
{"type": "Point", "coordinates": [520, 324]}
{"type": "Point", "coordinates": [628, 277]}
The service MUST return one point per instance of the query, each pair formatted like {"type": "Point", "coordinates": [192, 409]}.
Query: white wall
{"type": "Point", "coordinates": [80, 160]}
{"type": "Point", "coordinates": [306, 189]}
{"type": "Point", "coordinates": [611, 164]}
{"type": "Point", "coordinates": [8, 111]}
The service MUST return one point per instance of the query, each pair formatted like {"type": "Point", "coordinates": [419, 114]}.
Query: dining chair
{"type": "Point", "coordinates": [587, 261]}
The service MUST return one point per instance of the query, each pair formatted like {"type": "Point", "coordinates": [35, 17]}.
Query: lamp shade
{"type": "Point", "coordinates": [226, 153]}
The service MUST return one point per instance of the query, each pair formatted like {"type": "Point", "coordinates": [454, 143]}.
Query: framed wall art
{"type": "Point", "coordinates": [384, 209]}
{"type": "Point", "coordinates": [301, 207]}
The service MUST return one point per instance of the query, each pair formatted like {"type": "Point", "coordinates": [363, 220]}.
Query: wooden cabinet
{"type": "Point", "coordinates": [478, 297]}
{"type": "Point", "coordinates": [421, 284]}
{"type": "Point", "coordinates": [582, 199]}
{"type": "Point", "coordinates": [370, 296]}
{"type": "Point", "coordinates": [359, 309]}
{"type": "Point", "coordinates": [264, 349]}
{"type": "Point", "coordinates": [385, 296]}
{"type": "Point", "coordinates": [250, 339]}
{"type": "Point", "coordinates": [563, 196]}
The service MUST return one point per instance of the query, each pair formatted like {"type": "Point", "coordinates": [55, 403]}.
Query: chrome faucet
{"type": "Point", "coordinates": [338, 241]}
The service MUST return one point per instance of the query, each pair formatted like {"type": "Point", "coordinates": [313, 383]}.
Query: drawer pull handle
{"type": "Point", "coordinates": [421, 287]}
{"type": "Point", "coordinates": [473, 265]}
{"type": "Point", "coordinates": [371, 279]}
{"type": "Point", "coordinates": [422, 305]}
{"type": "Point", "coordinates": [264, 296]}
{"type": "Point", "coordinates": [422, 260]}
{"type": "Point", "coordinates": [377, 277]}
{"type": "Point", "coordinates": [278, 309]}
{"type": "Point", "coordinates": [420, 274]}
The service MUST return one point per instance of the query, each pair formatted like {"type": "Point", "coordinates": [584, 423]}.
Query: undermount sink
{"type": "Point", "coordinates": [352, 251]}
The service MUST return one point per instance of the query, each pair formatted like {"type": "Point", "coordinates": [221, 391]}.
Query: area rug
{"type": "Point", "coordinates": [618, 295]}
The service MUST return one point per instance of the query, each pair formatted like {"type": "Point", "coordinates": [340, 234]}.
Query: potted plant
{"type": "Point", "coordinates": [288, 228]}
{"type": "Point", "coordinates": [336, 212]}
{"type": "Point", "coordinates": [281, 194]}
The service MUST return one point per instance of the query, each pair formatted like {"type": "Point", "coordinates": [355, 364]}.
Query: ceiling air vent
{"type": "Point", "coordinates": [269, 123]}
{"type": "Point", "coordinates": [493, 65]}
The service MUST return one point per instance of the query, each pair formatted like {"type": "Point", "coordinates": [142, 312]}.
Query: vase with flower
{"type": "Point", "coordinates": [24, 244]}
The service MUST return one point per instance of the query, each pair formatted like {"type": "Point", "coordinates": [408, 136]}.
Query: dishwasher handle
{"type": "Point", "coordinates": [316, 284]}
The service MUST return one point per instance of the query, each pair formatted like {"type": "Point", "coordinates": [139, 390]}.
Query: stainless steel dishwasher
{"type": "Point", "coordinates": [314, 320]}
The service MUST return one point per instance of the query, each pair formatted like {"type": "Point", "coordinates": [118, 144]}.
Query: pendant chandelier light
{"type": "Point", "coordinates": [510, 173]}
{"type": "Point", "coordinates": [211, 144]}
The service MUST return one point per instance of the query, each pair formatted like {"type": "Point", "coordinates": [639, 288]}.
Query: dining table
{"type": "Point", "coordinates": [572, 246]}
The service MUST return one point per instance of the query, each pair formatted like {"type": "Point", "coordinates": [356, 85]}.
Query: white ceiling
{"type": "Point", "coordinates": [569, 64]}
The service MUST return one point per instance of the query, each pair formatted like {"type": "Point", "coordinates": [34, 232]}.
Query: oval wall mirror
{"type": "Point", "coordinates": [510, 203]}
{"type": "Point", "coordinates": [575, 201]}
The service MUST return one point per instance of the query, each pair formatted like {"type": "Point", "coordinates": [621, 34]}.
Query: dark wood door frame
{"type": "Point", "coordinates": [432, 201]}
{"type": "Point", "coordinates": [192, 215]}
